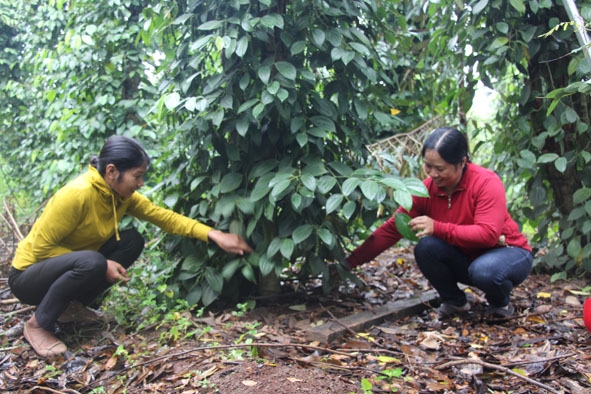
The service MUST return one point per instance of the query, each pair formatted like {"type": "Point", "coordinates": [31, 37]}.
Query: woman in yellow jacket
{"type": "Point", "coordinates": [75, 251]}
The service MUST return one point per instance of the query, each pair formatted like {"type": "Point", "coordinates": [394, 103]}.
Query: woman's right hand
{"type": "Point", "coordinates": [229, 242]}
{"type": "Point", "coordinates": [116, 272]}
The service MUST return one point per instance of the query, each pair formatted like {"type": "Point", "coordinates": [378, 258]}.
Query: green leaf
{"type": "Point", "coordinates": [172, 100]}
{"type": "Point", "coordinates": [274, 246]}
{"type": "Point", "coordinates": [341, 168]}
{"type": "Point", "coordinates": [396, 184]}
{"type": "Point", "coordinates": [287, 247]}
{"type": "Point", "coordinates": [214, 279]}
{"type": "Point", "coordinates": [297, 123]}
{"type": "Point", "coordinates": [325, 184]}
{"type": "Point", "coordinates": [286, 69]}
{"type": "Point", "coordinates": [230, 182]}
{"type": "Point", "coordinates": [326, 236]}
{"type": "Point", "coordinates": [478, 7]}
{"type": "Point", "coordinates": [280, 188]}
{"type": "Point", "coordinates": [569, 116]}
{"type": "Point", "coordinates": [297, 47]}
{"type": "Point", "coordinates": [194, 296]}
{"type": "Point", "coordinates": [261, 188]}
{"type": "Point", "coordinates": [561, 164]}
{"type": "Point", "coordinates": [350, 185]}
{"type": "Point", "coordinates": [217, 117]}
{"type": "Point", "coordinates": [241, 46]}
{"type": "Point", "coordinates": [576, 214]}
{"type": "Point", "coordinates": [547, 158]}
{"type": "Point", "coordinates": [416, 187]}
{"type": "Point", "coordinates": [272, 20]}
{"type": "Point", "coordinates": [247, 104]}
{"type": "Point", "coordinates": [574, 248]}
{"type": "Point", "coordinates": [497, 43]}
{"type": "Point", "coordinates": [317, 132]}
{"type": "Point", "coordinates": [323, 122]}
{"type": "Point", "coordinates": [282, 95]}
{"type": "Point", "coordinates": [230, 268]}
{"type": "Point", "coordinates": [581, 195]}
{"type": "Point", "coordinates": [370, 189]}
{"type": "Point", "coordinates": [403, 198]}
{"type": "Point", "coordinates": [529, 157]}
{"type": "Point", "coordinates": [315, 168]}
{"type": "Point", "coordinates": [301, 233]}
{"type": "Point", "coordinates": [171, 199]}
{"type": "Point", "coordinates": [309, 182]}
{"type": "Point", "coordinates": [274, 87]}
{"type": "Point", "coordinates": [501, 26]}
{"type": "Point", "coordinates": [349, 209]}
{"type": "Point", "coordinates": [248, 273]}
{"type": "Point", "coordinates": [401, 220]}
{"type": "Point", "coordinates": [257, 110]}
{"type": "Point", "coordinates": [266, 265]}
{"type": "Point", "coordinates": [318, 37]}
{"type": "Point", "coordinates": [242, 126]}
{"type": "Point", "coordinates": [360, 48]}
{"type": "Point", "coordinates": [211, 25]}
{"type": "Point", "coordinates": [361, 109]}
{"type": "Point", "coordinates": [518, 5]}
{"type": "Point", "coordinates": [264, 73]}
{"type": "Point", "coordinates": [296, 201]}
{"type": "Point", "coordinates": [333, 203]}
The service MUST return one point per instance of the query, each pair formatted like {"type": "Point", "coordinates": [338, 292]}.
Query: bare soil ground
{"type": "Point", "coordinates": [544, 348]}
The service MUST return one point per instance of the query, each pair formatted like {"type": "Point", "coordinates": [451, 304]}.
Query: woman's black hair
{"type": "Point", "coordinates": [450, 143]}
{"type": "Point", "coordinates": [123, 152]}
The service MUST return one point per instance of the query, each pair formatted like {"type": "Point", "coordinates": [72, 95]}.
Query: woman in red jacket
{"type": "Point", "coordinates": [465, 232]}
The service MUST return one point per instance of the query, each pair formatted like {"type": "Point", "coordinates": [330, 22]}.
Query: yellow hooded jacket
{"type": "Point", "coordinates": [85, 213]}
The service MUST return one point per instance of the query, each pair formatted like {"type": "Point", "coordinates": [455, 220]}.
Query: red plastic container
{"type": "Point", "coordinates": [587, 314]}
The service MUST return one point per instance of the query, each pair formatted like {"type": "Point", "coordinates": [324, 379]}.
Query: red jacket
{"type": "Point", "coordinates": [473, 218]}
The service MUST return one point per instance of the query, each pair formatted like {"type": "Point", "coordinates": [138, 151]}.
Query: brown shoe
{"type": "Point", "coordinates": [76, 312]}
{"type": "Point", "coordinates": [42, 341]}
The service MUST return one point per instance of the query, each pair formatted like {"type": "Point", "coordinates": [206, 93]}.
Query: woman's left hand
{"type": "Point", "coordinates": [229, 242]}
{"type": "Point", "coordinates": [116, 272]}
{"type": "Point", "coordinates": [421, 225]}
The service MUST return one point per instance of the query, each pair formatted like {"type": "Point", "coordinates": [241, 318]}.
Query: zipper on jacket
{"type": "Point", "coordinates": [449, 201]}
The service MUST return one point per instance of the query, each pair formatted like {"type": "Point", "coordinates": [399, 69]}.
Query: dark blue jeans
{"type": "Point", "coordinates": [77, 276]}
{"type": "Point", "coordinates": [495, 272]}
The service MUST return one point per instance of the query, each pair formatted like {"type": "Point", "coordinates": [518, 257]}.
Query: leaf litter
{"type": "Point", "coordinates": [543, 348]}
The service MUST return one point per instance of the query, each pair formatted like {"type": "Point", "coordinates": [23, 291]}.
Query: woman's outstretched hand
{"type": "Point", "coordinates": [229, 242]}
{"type": "Point", "coordinates": [116, 272]}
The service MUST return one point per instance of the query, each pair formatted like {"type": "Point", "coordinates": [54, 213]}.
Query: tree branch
{"type": "Point", "coordinates": [497, 367]}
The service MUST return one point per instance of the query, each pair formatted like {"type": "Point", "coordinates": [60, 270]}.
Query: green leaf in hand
{"type": "Point", "coordinates": [401, 220]}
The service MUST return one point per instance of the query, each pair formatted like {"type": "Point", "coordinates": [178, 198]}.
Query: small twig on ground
{"type": "Point", "coordinates": [515, 363]}
{"type": "Point", "coordinates": [381, 351]}
{"type": "Point", "coordinates": [497, 367]}
{"type": "Point", "coordinates": [68, 391]}
{"type": "Point", "coordinates": [22, 310]}
{"type": "Point", "coordinates": [12, 222]}
{"type": "Point", "coordinates": [9, 301]}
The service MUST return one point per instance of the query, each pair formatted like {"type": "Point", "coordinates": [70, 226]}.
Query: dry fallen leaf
{"type": "Point", "coordinates": [430, 340]}
{"type": "Point", "coordinates": [110, 363]}
{"type": "Point", "coordinates": [249, 383]}
{"type": "Point", "coordinates": [572, 300]}
{"type": "Point", "coordinates": [536, 319]}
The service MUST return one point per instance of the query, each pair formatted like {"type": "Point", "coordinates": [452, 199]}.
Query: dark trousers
{"type": "Point", "coordinates": [77, 276]}
{"type": "Point", "coordinates": [495, 272]}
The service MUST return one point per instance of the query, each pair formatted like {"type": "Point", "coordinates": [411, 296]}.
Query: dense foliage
{"type": "Point", "coordinates": [257, 114]}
